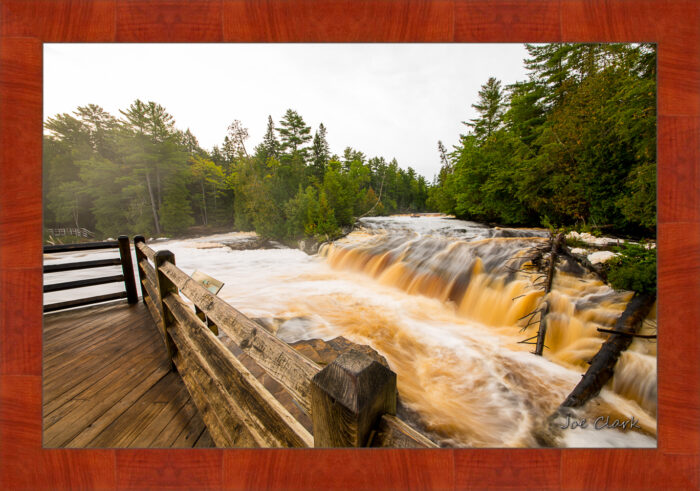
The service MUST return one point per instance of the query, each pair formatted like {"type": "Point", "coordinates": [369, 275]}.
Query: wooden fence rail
{"type": "Point", "coordinates": [124, 259]}
{"type": "Point", "coordinates": [351, 402]}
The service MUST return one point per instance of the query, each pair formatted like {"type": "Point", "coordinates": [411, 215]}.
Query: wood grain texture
{"type": "Point", "coordinates": [181, 21]}
{"type": "Point", "coordinates": [266, 419]}
{"type": "Point", "coordinates": [678, 186]}
{"type": "Point", "coordinates": [632, 469]}
{"type": "Point", "coordinates": [338, 21]}
{"type": "Point", "coordinates": [481, 21]}
{"type": "Point", "coordinates": [55, 21]}
{"type": "Point", "coordinates": [24, 464]}
{"type": "Point", "coordinates": [163, 469]}
{"type": "Point", "coordinates": [507, 469]}
{"type": "Point", "coordinates": [673, 24]}
{"type": "Point", "coordinates": [344, 469]}
{"type": "Point", "coordinates": [679, 339]}
{"type": "Point", "coordinates": [348, 398]}
{"type": "Point", "coordinates": [20, 153]}
{"type": "Point", "coordinates": [20, 314]}
{"type": "Point", "coordinates": [282, 362]}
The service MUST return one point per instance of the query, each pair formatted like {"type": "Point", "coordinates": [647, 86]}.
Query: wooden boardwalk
{"type": "Point", "coordinates": [107, 383]}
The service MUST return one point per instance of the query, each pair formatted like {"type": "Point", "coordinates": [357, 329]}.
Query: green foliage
{"type": "Point", "coordinates": [572, 146]}
{"type": "Point", "coordinates": [634, 269]}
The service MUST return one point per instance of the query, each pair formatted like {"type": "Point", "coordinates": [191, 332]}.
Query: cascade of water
{"type": "Point", "coordinates": [483, 281]}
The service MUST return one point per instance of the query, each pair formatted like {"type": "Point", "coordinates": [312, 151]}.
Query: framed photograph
{"type": "Point", "coordinates": [479, 316]}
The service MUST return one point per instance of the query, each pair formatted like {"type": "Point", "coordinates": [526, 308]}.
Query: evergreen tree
{"type": "Point", "coordinates": [320, 153]}
{"type": "Point", "coordinates": [294, 133]}
{"type": "Point", "coordinates": [489, 108]}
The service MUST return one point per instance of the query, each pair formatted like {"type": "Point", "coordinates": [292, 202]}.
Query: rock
{"type": "Point", "coordinates": [309, 246]}
{"type": "Point", "coordinates": [601, 257]}
{"type": "Point", "coordinates": [253, 242]}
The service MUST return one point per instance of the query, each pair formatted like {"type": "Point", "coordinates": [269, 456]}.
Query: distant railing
{"type": "Point", "coordinates": [70, 231]}
{"type": "Point", "coordinates": [351, 401]}
{"type": "Point", "coordinates": [124, 259]}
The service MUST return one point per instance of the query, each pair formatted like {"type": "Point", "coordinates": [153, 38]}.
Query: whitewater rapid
{"type": "Point", "coordinates": [455, 347]}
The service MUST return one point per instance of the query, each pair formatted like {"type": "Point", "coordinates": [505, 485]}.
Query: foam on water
{"type": "Point", "coordinates": [432, 295]}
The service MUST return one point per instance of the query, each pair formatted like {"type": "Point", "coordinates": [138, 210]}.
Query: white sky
{"type": "Point", "coordinates": [390, 100]}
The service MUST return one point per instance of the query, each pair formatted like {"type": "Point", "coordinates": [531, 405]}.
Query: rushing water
{"type": "Point", "coordinates": [445, 301]}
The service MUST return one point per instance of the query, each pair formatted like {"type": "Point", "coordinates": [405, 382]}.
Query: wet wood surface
{"type": "Point", "coordinates": [26, 24]}
{"type": "Point", "coordinates": [107, 383]}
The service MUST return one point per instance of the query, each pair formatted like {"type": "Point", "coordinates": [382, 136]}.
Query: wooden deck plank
{"type": "Point", "coordinates": [166, 438]}
{"type": "Point", "coordinates": [204, 440]}
{"type": "Point", "coordinates": [76, 417]}
{"type": "Point", "coordinates": [107, 382]}
{"type": "Point", "coordinates": [55, 395]}
{"type": "Point", "coordinates": [125, 430]}
{"type": "Point", "coordinates": [89, 433]}
{"type": "Point", "coordinates": [166, 416]}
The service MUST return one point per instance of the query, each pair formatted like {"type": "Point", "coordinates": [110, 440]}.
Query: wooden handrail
{"type": "Point", "coordinates": [269, 422]}
{"type": "Point", "coordinates": [282, 362]}
{"type": "Point", "coordinates": [124, 259]}
{"type": "Point", "coordinates": [84, 246]}
{"type": "Point", "coordinates": [235, 406]}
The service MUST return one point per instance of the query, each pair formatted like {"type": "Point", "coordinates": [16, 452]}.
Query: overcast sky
{"type": "Point", "coordinates": [390, 100]}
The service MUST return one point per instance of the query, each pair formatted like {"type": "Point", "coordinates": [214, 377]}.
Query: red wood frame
{"type": "Point", "coordinates": [26, 24]}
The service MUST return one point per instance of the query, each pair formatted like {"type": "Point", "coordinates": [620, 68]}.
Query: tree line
{"type": "Point", "coordinates": [574, 145]}
{"type": "Point", "coordinates": [140, 174]}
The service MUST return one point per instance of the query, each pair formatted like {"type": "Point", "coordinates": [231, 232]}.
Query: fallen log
{"type": "Point", "coordinates": [542, 332]}
{"type": "Point", "coordinates": [603, 363]}
{"type": "Point", "coordinates": [598, 271]}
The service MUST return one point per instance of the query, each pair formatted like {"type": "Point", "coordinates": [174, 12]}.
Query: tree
{"type": "Point", "coordinates": [294, 133]}
{"type": "Point", "coordinates": [320, 153]}
{"type": "Point", "coordinates": [489, 108]}
{"type": "Point", "coordinates": [210, 178]}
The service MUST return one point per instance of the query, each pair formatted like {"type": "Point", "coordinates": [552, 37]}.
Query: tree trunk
{"type": "Point", "coordinates": [542, 332]}
{"type": "Point", "coordinates": [204, 203]}
{"type": "Point", "coordinates": [603, 363]}
{"type": "Point", "coordinates": [153, 204]}
{"type": "Point", "coordinates": [159, 194]}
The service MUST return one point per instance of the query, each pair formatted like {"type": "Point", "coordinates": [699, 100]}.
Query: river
{"type": "Point", "coordinates": [443, 301]}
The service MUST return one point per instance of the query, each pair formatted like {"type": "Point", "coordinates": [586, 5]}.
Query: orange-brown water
{"type": "Point", "coordinates": [466, 374]}
{"type": "Point", "coordinates": [439, 300]}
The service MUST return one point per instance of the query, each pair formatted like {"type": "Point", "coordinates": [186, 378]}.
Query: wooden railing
{"type": "Point", "coordinates": [74, 231]}
{"type": "Point", "coordinates": [352, 401]}
{"type": "Point", "coordinates": [124, 259]}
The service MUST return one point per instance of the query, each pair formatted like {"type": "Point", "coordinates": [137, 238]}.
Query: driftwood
{"type": "Point", "coordinates": [598, 271]}
{"type": "Point", "coordinates": [603, 363]}
{"type": "Point", "coordinates": [542, 332]}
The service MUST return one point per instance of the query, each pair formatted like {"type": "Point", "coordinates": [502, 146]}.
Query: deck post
{"type": "Point", "coordinates": [348, 397]}
{"type": "Point", "coordinates": [127, 269]}
{"type": "Point", "coordinates": [165, 288]}
{"type": "Point", "coordinates": [140, 256]}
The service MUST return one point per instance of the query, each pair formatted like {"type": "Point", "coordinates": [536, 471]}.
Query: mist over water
{"type": "Point", "coordinates": [443, 300]}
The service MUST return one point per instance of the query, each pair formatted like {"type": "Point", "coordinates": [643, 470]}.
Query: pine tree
{"type": "Point", "coordinates": [320, 153]}
{"type": "Point", "coordinates": [490, 109]}
{"type": "Point", "coordinates": [294, 133]}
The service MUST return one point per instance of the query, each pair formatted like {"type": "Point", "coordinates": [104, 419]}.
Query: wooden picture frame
{"type": "Point", "coordinates": [26, 24]}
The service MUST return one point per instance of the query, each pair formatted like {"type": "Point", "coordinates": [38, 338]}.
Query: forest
{"type": "Point", "coordinates": [574, 145]}
{"type": "Point", "coordinates": [140, 174]}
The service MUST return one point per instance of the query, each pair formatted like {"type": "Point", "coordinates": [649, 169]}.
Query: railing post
{"type": "Point", "coordinates": [140, 256]}
{"type": "Point", "coordinates": [347, 399]}
{"type": "Point", "coordinates": [127, 269]}
{"type": "Point", "coordinates": [165, 288]}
